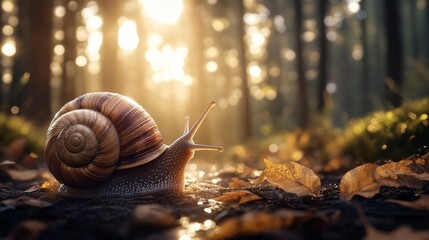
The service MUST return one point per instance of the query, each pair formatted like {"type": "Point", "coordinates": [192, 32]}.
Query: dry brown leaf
{"type": "Point", "coordinates": [259, 180]}
{"type": "Point", "coordinates": [420, 204]}
{"type": "Point", "coordinates": [236, 182]}
{"type": "Point", "coordinates": [29, 159]}
{"type": "Point", "coordinates": [258, 222]}
{"type": "Point", "coordinates": [291, 177]}
{"type": "Point", "coordinates": [26, 201]}
{"type": "Point", "coordinates": [23, 175]}
{"type": "Point", "coordinates": [426, 158]}
{"type": "Point", "coordinates": [366, 180]}
{"type": "Point", "coordinates": [28, 229]}
{"type": "Point", "coordinates": [359, 181]}
{"type": "Point", "coordinates": [154, 215]}
{"type": "Point", "coordinates": [407, 172]}
{"type": "Point", "coordinates": [16, 148]}
{"type": "Point", "coordinates": [238, 196]}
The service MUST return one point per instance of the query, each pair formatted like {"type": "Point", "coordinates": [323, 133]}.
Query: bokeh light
{"type": "Point", "coordinates": [163, 11]}
{"type": "Point", "coordinates": [128, 38]}
{"type": "Point", "coordinates": [9, 48]}
{"type": "Point", "coordinates": [167, 64]}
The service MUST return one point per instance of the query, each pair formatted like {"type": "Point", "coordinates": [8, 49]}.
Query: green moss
{"type": "Point", "coordinates": [394, 134]}
{"type": "Point", "coordinates": [14, 127]}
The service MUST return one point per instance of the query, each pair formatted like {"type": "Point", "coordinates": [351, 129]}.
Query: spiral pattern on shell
{"type": "Point", "coordinates": [97, 134]}
{"type": "Point", "coordinates": [85, 148]}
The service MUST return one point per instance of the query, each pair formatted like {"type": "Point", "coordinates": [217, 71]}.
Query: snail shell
{"type": "Point", "coordinates": [97, 133]}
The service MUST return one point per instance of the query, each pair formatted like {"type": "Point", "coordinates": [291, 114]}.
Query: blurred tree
{"type": "Point", "coordinates": [69, 78]}
{"type": "Point", "coordinates": [247, 129]}
{"type": "Point", "coordinates": [394, 56]}
{"type": "Point", "coordinates": [323, 55]}
{"type": "Point", "coordinates": [302, 85]}
{"type": "Point", "coordinates": [35, 45]}
{"type": "Point", "coordinates": [109, 9]}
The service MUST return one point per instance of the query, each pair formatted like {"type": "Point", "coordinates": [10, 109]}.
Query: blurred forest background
{"type": "Point", "coordinates": [272, 65]}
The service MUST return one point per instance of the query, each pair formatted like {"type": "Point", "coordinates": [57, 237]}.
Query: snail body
{"type": "Point", "coordinates": [105, 144]}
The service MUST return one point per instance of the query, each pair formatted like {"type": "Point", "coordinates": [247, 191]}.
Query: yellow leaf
{"type": "Point", "coordinates": [259, 222]}
{"type": "Point", "coordinates": [239, 196]}
{"type": "Point", "coordinates": [421, 204]}
{"type": "Point", "coordinates": [236, 182]}
{"type": "Point", "coordinates": [292, 177]}
{"type": "Point", "coordinates": [259, 180]}
{"type": "Point", "coordinates": [359, 181]}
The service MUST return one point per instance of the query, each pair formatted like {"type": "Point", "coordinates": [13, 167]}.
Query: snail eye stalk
{"type": "Point", "coordinates": [189, 134]}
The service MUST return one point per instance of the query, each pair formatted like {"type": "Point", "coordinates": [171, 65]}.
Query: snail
{"type": "Point", "coordinates": [105, 144]}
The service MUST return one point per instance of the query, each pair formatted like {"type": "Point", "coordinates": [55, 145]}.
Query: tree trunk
{"type": "Point", "coordinates": [35, 49]}
{"type": "Point", "coordinates": [393, 52]}
{"type": "Point", "coordinates": [247, 129]}
{"type": "Point", "coordinates": [110, 11]}
{"type": "Point", "coordinates": [302, 86]}
{"type": "Point", "coordinates": [323, 56]}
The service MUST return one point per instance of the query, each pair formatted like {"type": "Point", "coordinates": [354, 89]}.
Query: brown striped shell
{"type": "Point", "coordinates": [98, 133]}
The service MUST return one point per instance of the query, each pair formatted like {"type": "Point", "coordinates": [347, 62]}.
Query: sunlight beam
{"type": "Point", "coordinates": [163, 11]}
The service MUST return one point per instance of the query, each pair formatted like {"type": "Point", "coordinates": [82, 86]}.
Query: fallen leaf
{"type": "Point", "coordinates": [420, 204]}
{"type": "Point", "coordinates": [23, 175]}
{"type": "Point", "coordinates": [259, 180]}
{"type": "Point", "coordinates": [7, 163]}
{"type": "Point", "coordinates": [407, 173]}
{"type": "Point", "coordinates": [16, 148]}
{"type": "Point", "coordinates": [32, 189]}
{"type": "Point", "coordinates": [236, 183]}
{"type": "Point", "coordinates": [259, 222]}
{"type": "Point", "coordinates": [238, 196]}
{"type": "Point", "coordinates": [29, 159]}
{"type": "Point", "coordinates": [291, 177]}
{"type": "Point", "coordinates": [426, 158]}
{"type": "Point", "coordinates": [28, 229]}
{"type": "Point", "coordinates": [359, 181]}
{"type": "Point", "coordinates": [154, 215]}
{"type": "Point", "coordinates": [366, 180]}
{"type": "Point", "coordinates": [26, 201]}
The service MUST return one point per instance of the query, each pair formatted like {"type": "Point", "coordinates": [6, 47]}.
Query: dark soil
{"type": "Point", "coordinates": [113, 218]}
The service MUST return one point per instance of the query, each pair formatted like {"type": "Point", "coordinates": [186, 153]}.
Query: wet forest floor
{"type": "Point", "coordinates": [30, 212]}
